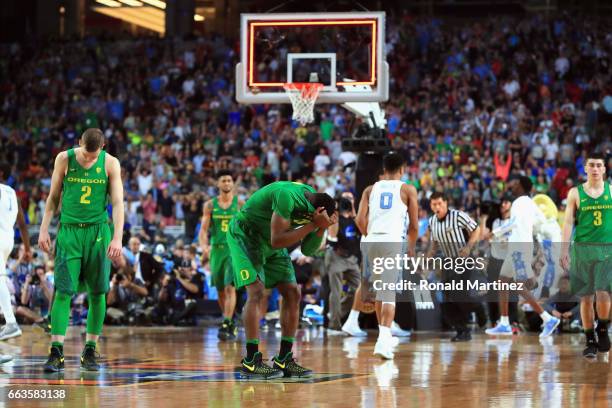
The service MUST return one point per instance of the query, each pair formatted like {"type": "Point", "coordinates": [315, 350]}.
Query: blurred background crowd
{"type": "Point", "coordinates": [471, 105]}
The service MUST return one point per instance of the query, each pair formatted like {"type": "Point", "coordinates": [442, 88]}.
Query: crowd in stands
{"type": "Point", "coordinates": [471, 104]}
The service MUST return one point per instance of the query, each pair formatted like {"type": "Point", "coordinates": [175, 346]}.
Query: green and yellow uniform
{"type": "Point", "coordinates": [84, 234]}
{"type": "Point", "coordinates": [220, 261]}
{"type": "Point", "coordinates": [249, 233]}
{"type": "Point", "coordinates": [591, 252]}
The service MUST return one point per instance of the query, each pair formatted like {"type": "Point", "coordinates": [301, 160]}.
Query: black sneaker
{"type": "Point", "coordinates": [44, 325]}
{"type": "Point", "coordinates": [603, 340]}
{"type": "Point", "coordinates": [591, 349]}
{"type": "Point", "coordinates": [232, 330]}
{"type": "Point", "coordinates": [89, 359]}
{"type": "Point", "coordinates": [55, 362]}
{"type": "Point", "coordinates": [224, 331]}
{"type": "Point", "coordinates": [462, 335]}
{"type": "Point", "coordinates": [290, 367]}
{"type": "Point", "coordinates": [258, 369]}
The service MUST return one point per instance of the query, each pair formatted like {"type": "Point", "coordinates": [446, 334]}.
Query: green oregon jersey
{"type": "Point", "coordinates": [594, 217]}
{"type": "Point", "coordinates": [84, 195]}
{"type": "Point", "coordinates": [220, 219]}
{"type": "Point", "coordinates": [285, 198]}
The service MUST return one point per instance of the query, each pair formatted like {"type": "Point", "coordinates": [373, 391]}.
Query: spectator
{"type": "Point", "coordinates": [36, 299]}
{"type": "Point", "coordinates": [126, 296]}
{"type": "Point", "coordinates": [180, 290]}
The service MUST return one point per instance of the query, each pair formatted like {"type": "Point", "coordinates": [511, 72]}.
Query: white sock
{"type": "Point", "coordinates": [353, 318]}
{"type": "Point", "coordinates": [545, 316]}
{"type": "Point", "coordinates": [504, 321]}
{"type": "Point", "coordinates": [5, 302]}
{"type": "Point", "coordinates": [384, 332]}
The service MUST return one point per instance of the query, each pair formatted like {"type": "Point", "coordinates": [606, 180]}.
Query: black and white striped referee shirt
{"type": "Point", "coordinates": [452, 232]}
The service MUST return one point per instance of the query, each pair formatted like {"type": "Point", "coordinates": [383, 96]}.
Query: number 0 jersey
{"type": "Point", "coordinates": [387, 213]}
{"type": "Point", "coordinates": [8, 212]}
{"type": "Point", "coordinates": [85, 192]}
{"type": "Point", "coordinates": [594, 217]}
{"type": "Point", "coordinates": [220, 219]}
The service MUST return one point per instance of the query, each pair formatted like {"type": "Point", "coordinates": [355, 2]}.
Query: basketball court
{"type": "Point", "coordinates": [304, 60]}
{"type": "Point", "coordinates": [173, 367]}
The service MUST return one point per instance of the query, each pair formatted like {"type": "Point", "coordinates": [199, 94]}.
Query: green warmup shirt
{"type": "Point", "coordinates": [85, 192]}
{"type": "Point", "coordinates": [285, 198]}
{"type": "Point", "coordinates": [220, 219]}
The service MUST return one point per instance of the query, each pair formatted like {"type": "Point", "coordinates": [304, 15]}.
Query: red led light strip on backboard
{"type": "Point", "coordinates": [252, 26]}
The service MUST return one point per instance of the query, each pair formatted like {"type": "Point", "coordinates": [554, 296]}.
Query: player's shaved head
{"type": "Point", "coordinates": [392, 162]}
{"type": "Point", "coordinates": [92, 140]}
{"type": "Point", "coordinates": [322, 200]}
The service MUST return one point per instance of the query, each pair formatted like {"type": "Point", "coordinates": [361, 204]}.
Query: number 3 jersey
{"type": "Point", "coordinates": [594, 217]}
{"type": "Point", "coordinates": [387, 213]}
{"type": "Point", "coordinates": [85, 192]}
{"type": "Point", "coordinates": [220, 219]}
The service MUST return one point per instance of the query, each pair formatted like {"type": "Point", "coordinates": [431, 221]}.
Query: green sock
{"type": "Point", "coordinates": [285, 346]}
{"type": "Point", "coordinates": [58, 344]}
{"type": "Point", "coordinates": [227, 320]}
{"type": "Point", "coordinates": [90, 343]}
{"type": "Point", "coordinates": [252, 346]}
{"type": "Point", "coordinates": [96, 313]}
{"type": "Point", "coordinates": [60, 314]}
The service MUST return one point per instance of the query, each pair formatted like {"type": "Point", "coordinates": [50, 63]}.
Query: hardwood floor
{"type": "Point", "coordinates": [187, 367]}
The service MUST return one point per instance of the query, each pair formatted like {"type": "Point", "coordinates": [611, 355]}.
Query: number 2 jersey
{"type": "Point", "coordinates": [85, 192]}
{"type": "Point", "coordinates": [594, 217]}
{"type": "Point", "coordinates": [387, 213]}
{"type": "Point", "coordinates": [220, 219]}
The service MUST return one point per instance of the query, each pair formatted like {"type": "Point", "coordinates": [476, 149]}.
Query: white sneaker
{"type": "Point", "coordinates": [5, 358]}
{"type": "Point", "coordinates": [397, 331]}
{"type": "Point", "coordinates": [9, 331]}
{"type": "Point", "coordinates": [394, 341]}
{"type": "Point", "coordinates": [384, 348]}
{"type": "Point", "coordinates": [353, 330]}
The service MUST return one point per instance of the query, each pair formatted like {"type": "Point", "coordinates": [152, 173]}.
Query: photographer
{"type": "Point", "coordinates": [179, 293]}
{"type": "Point", "coordinates": [342, 261]}
{"type": "Point", "coordinates": [126, 295]}
{"type": "Point", "coordinates": [146, 268]}
{"type": "Point", "coordinates": [36, 298]}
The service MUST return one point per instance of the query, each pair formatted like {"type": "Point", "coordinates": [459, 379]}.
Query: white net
{"type": "Point", "coordinates": [303, 96]}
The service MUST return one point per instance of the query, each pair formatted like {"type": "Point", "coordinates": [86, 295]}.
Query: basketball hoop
{"type": "Point", "coordinates": [303, 96]}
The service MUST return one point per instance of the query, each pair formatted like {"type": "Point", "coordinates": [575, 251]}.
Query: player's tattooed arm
{"type": "Point", "coordinates": [362, 213]}
{"type": "Point", "coordinates": [568, 225]}
{"type": "Point", "coordinates": [53, 200]}
{"type": "Point", "coordinates": [205, 225]}
{"type": "Point", "coordinates": [116, 195]}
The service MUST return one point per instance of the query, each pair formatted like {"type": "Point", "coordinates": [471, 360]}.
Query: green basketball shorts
{"type": "Point", "coordinates": [252, 259]}
{"type": "Point", "coordinates": [81, 263]}
{"type": "Point", "coordinates": [591, 268]}
{"type": "Point", "coordinates": [221, 271]}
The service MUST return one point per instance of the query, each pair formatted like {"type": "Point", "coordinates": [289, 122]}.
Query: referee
{"type": "Point", "coordinates": [455, 233]}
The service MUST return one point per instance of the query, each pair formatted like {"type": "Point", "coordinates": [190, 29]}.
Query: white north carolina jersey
{"type": "Point", "coordinates": [525, 215]}
{"type": "Point", "coordinates": [388, 215]}
{"type": "Point", "coordinates": [8, 212]}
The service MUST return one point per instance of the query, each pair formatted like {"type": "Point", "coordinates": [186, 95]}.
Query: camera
{"type": "Point", "coordinates": [35, 279]}
{"type": "Point", "coordinates": [344, 204]}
